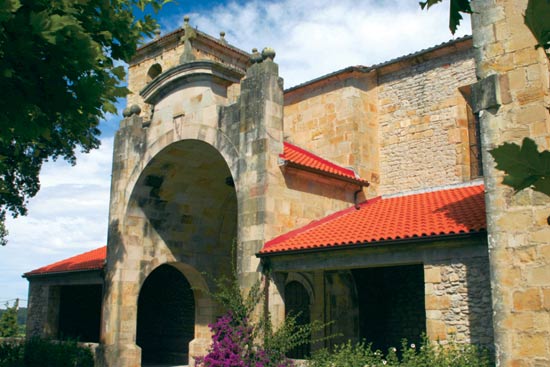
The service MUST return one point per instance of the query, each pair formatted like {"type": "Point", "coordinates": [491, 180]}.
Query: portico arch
{"type": "Point", "coordinates": [181, 221]}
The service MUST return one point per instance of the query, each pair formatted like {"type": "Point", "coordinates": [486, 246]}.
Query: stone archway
{"type": "Point", "coordinates": [165, 317]}
{"type": "Point", "coordinates": [182, 215]}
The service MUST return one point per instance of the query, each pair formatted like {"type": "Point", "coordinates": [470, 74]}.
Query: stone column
{"type": "Point", "coordinates": [509, 66]}
{"type": "Point", "coordinates": [43, 305]}
{"type": "Point", "coordinates": [119, 312]}
{"type": "Point", "coordinates": [260, 143]}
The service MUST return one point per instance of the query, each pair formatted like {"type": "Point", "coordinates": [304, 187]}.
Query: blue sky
{"type": "Point", "coordinates": [311, 38]}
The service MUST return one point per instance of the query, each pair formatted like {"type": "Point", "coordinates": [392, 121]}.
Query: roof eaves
{"type": "Point", "coordinates": [355, 181]}
{"type": "Point", "coordinates": [373, 244]}
{"type": "Point", "coordinates": [63, 272]}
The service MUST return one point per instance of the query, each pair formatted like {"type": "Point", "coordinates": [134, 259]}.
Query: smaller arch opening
{"type": "Point", "coordinates": [153, 72]}
{"type": "Point", "coordinates": [166, 317]}
{"type": "Point", "coordinates": [297, 304]}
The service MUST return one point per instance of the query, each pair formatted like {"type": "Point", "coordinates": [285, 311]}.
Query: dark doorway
{"type": "Point", "coordinates": [391, 305]}
{"type": "Point", "coordinates": [166, 317]}
{"type": "Point", "coordinates": [80, 312]}
{"type": "Point", "coordinates": [297, 304]}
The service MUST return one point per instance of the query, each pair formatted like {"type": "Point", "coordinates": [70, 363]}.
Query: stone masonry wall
{"type": "Point", "coordinates": [42, 318]}
{"type": "Point", "coordinates": [423, 124]}
{"type": "Point", "coordinates": [166, 54]}
{"type": "Point", "coordinates": [337, 120]}
{"type": "Point", "coordinates": [458, 301]}
{"type": "Point", "coordinates": [519, 232]}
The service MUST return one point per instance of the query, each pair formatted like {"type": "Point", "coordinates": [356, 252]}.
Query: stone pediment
{"type": "Point", "coordinates": [192, 72]}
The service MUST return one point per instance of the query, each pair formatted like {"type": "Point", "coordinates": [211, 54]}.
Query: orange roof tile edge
{"type": "Point", "coordinates": [445, 212]}
{"type": "Point", "coordinates": [91, 260]}
{"type": "Point", "coordinates": [303, 158]}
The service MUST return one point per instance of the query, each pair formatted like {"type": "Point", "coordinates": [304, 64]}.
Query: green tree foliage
{"type": "Point", "coordinates": [60, 73]}
{"type": "Point", "coordinates": [536, 18]}
{"type": "Point", "coordinates": [36, 352]}
{"type": "Point", "coordinates": [524, 166]}
{"type": "Point", "coordinates": [8, 321]}
{"type": "Point", "coordinates": [456, 7]}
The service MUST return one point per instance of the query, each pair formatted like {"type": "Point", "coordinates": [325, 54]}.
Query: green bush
{"type": "Point", "coordinates": [11, 353]}
{"type": "Point", "coordinates": [427, 354]}
{"type": "Point", "coordinates": [45, 353]}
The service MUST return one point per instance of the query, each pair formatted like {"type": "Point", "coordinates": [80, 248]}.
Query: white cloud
{"type": "Point", "coordinates": [69, 215]}
{"type": "Point", "coordinates": [313, 38]}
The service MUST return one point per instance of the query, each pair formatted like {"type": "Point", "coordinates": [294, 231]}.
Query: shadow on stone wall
{"type": "Point", "coordinates": [480, 302]}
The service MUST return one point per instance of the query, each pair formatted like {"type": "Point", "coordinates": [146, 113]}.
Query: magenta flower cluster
{"type": "Point", "coordinates": [233, 346]}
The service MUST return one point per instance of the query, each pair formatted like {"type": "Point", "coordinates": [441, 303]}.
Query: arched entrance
{"type": "Point", "coordinates": [166, 317]}
{"type": "Point", "coordinates": [183, 219]}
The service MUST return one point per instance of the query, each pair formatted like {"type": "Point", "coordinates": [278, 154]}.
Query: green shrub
{"type": "Point", "coordinates": [45, 353]}
{"type": "Point", "coordinates": [427, 354]}
{"type": "Point", "coordinates": [11, 353]}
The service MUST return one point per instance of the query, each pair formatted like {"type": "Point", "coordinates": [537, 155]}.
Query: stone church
{"type": "Point", "coordinates": [361, 192]}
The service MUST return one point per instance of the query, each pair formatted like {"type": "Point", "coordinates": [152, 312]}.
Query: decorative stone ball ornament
{"type": "Point", "coordinates": [257, 57]}
{"type": "Point", "coordinates": [132, 110]}
{"type": "Point", "coordinates": [268, 53]}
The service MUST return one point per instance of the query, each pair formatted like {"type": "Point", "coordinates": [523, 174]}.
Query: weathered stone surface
{"type": "Point", "coordinates": [517, 227]}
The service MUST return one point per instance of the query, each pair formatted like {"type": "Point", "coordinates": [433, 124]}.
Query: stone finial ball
{"type": "Point", "coordinates": [126, 112]}
{"type": "Point", "coordinates": [186, 19]}
{"type": "Point", "coordinates": [256, 57]}
{"type": "Point", "coordinates": [135, 109]}
{"type": "Point", "coordinates": [222, 34]}
{"type": "Point", "coordinates": [268, 53]}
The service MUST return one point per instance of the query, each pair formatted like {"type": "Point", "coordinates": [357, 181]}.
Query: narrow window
{"type": "Point", "coordinates": [474, 136]}
{"type": "Point", "coordinates": [476, 167]}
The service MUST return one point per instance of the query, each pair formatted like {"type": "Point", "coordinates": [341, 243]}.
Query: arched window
{"type": "Point", "coordinates": [297, 304]}
{"type": "Point", "coordinates": [153, 72]}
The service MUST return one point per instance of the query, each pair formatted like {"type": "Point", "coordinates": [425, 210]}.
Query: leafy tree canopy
{"type": "Point", "coordinates": [8, 321]}
{"type": "Point", "coordinates": [60, 72]}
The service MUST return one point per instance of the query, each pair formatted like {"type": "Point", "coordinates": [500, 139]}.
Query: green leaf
{"type": "Point", "coordinates": [8, 8]}
{"type": "Point", "coordinates": [524, 166]}
{"type": "Point", "coordinates": [536, 19]}
{"type": "Point", "coordinates": [455, 8]}
{"type": "Point", "coordinates": [119, 72]}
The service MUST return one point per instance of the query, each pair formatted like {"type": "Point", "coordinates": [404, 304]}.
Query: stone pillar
{"type": "Point", "coordinates": [260, 143]}
{"type": "Point", "coordinates": [43, 320]}
{"type": "Point", "coordinates": [519, 234]}
{"type": "Point", "coordinates": [119, 312]}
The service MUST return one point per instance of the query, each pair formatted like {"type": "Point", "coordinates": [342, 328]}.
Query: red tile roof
{"type": "Point", "coordinates": [91, 260]}
{"type": "Point", "coordinates": [437, 213]}
{"type": "Point", "coordinates": [300, 158]}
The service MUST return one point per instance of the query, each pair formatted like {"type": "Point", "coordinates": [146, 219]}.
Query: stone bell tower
{"type": "Point", "coordinates": [193, 165]}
